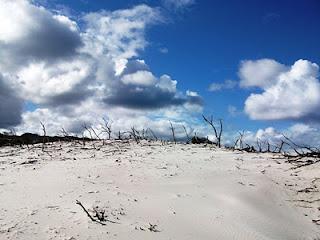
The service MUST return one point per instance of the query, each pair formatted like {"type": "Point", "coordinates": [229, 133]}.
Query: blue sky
{"type": "Point", "coordinates": [207, 40]}
{"type": "Point", "coordinates": [200, 43]}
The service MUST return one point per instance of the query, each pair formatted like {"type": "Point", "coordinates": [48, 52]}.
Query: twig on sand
{"type": "Point", "coordinates": [92, 219]}
{"type": "Point", "coordinates": [305, 201]}
{"type": "Point", "coordinates": [153, 228]}
{"type": "Point", "coordinates": [316, 221]}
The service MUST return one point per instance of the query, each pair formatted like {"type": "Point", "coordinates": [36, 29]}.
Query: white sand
{"type": "Point", "coordinates": [189, 192]}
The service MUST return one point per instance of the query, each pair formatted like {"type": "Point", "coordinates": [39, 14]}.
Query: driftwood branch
{"type": "Point", "coordinates": [101, 218]}
{"type": "Point", "coordinates": [88, 214]}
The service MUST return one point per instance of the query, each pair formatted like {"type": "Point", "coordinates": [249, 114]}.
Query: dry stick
{"type": "Point", "coordinates": [267, 146]}
{"type": "Point", "coordinates": [135, 134]}
{"type": "Point", "coordinates": [86, 128]}
{"type": "Point", "coordinates": [239, 140]}
{"type": "Point", "coordinates": [281, 146]}
{"type": "Point", "coordinates": [220, 133]}
{"type": "Point", "coordinates": [64, 132]}
{"type": "Point", "coordinates": [13, 132]}
{"type": "Point", "coordinates": [216, 133]}
{"type": "Point", "coordinates": [173, 133]}
{"type": "Point", "coordinates": [89, 129]}
{"type": "Point", "coordinates": [316, 221]}
{"type": "Point", "coordinates": [84, 209]}
{"type": "Point", "coordinates": [66, 135]}
{"type": "Point", "coordinates": [44, 135]}
{"type": "Point", "coordinates": [306, 201]}
{"type": "Point", "coordinates": [97, 135]}
{"type": "Point", "coordinates": [83, 139]}
{"type": "Point", "coordinates": [311, 152]}
{"type": "Point", "coordinates": [92, 219]}
{"type": "Point", "coordinates": [119, 135]}
{"type": "Point", "coordinates": [187, 135]}
{"type": "Point", "coordinates": [143, 134]}
{"type": "Point", "coordinates": [107, 127]}
{"type": "Point", "coordinates": [259, 144]}
{"type": "Point", "coordinates": [152, 133]}
{"type": "Point", "coordinates": [296, 146]}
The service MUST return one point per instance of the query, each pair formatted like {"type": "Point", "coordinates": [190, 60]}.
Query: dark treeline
{"type": "Point", "coordinates": [30, 138]}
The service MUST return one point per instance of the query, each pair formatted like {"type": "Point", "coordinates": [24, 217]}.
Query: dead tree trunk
{"type": "Point", "coordinates": [217, 133]}
{"type": "Point", "coordinates": [119, 136]}
{"type": "Point", "coordinates": [44, 135]}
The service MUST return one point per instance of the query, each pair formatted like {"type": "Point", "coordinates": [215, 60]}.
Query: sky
{"type": "Point", "coordinates": [143, 63]}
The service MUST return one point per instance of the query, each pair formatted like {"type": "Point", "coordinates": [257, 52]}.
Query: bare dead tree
{"type": "Point", "coordinates": [143, 134]}
{"type": "Point", "coordinates": [268, 146]}
{"type": "Point", "coordinates": [135, 134]}
{"type": "Point", "coordinates": [95, 133]}
{"type": "Point", "coordinates": [187, 134]}
{"type": "Point", "coordinates": [239, 141]}
{"type": "Point", "coordinates": [302, 151]}
{"type": "Point", "coordinates": [173, 133]}
{"type": "Point", "coordinates": [64, 132]}
{"type": "Point", "coordinates": [13, 132]}
{"type": "Point", "coordinates": [86, 128]}
{"type": "Point", "coordinates": [249, 148]}
{"type": "Point", "coordinates": [44, 135]}
{"type": "Point", "coordinates": [83, 139]}
{"type": "Point", "coordinates": [217, 133]}
{"type": "Point", "coordinates": [153, 134]}
{"type": "Point", "coordinates": [259, 145]}
{"type": "Point", "coordinates": [279, 148]}
{"type": "Point", "coordinates": [119, 135]}
{"type": "Point", "coordinates": [107, 127]}
{"type": "Point", "coordinates": [66, 135]}
{"type": "Point", "coordinates": [91, 132]}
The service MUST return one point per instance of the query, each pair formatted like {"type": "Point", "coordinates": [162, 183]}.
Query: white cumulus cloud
{"type": "Point", "coordinates": [78, 73]}
{"type": "Point", "coordinates": [31, 33]}
{"type": "Point", "coordinates": [260, 73]}
{"type": "Point", "coordinates": [288, 92]}
{"type": "Point", "coordinates": [143, 78]}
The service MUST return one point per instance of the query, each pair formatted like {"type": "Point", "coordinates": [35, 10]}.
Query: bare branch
{"type": "Point", "coordinates": [107, 127]}
{"type": "Point", "coordinates": [186, 132]}
{"type": "Point", "coordinates": [135, 134]}
{"type": "Point", "coordinates": [100, 219]}
{"type": "Point", "coordinates": [173, 133]}
{"type": "Point", "coordinates": [44, 135]}
{"type": "Point", "coordinates": [217, 133]}
{"type": "Point", "coordinates": [153, 134]}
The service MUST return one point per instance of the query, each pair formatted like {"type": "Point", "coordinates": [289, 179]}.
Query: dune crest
{"type": "Point", "coordinates": [154, 191]}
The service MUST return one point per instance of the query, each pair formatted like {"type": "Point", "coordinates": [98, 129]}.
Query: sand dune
{"type": "Point", "coordinates": [154, 192]}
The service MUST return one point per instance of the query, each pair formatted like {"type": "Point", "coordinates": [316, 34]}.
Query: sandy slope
{"type": "Point", "coordinates": [189, 192]}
